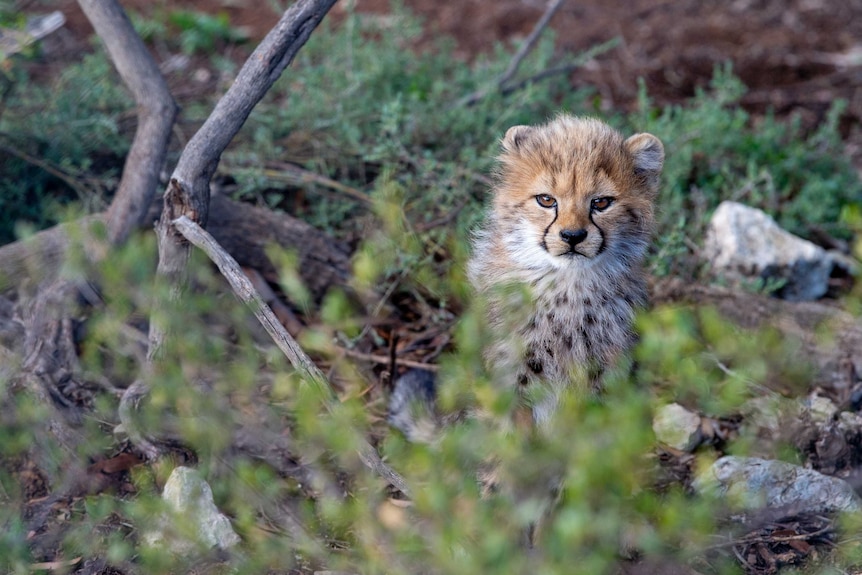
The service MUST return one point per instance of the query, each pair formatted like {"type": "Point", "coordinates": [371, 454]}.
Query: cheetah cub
{"type": "Point", "coordinates": [559, 256]}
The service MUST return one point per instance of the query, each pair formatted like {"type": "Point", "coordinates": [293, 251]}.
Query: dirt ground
{"type": "Point", "coordinates": [796, 56]}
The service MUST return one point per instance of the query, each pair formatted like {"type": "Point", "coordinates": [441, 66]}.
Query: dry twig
{"type": "Point", "coordinates": [246, 293]}
{"type": "Point", "coordinates": [523, 51]}
{"type": "Point", "coordinates": [384, 360]}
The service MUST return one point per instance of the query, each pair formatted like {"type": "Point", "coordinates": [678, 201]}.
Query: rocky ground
{"type": "Point", "coordinates": [797, 57]}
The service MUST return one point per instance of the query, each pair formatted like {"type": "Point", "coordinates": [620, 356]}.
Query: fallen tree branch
{"type": "Point", "coordinates": [245, 231]}
{"type": "Point", "coordinates": [246, 293]}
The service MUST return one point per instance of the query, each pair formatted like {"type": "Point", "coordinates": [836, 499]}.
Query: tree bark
{"type": "Point", "coordinates": [188, 192]}
{"type": "Point", "coordinates": [245, 231]}
{"type": "Point", "coordinates": [156, 114]}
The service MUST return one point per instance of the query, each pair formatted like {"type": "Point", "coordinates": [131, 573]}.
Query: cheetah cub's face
{"type": "Point", "coordinates": [574, 193]}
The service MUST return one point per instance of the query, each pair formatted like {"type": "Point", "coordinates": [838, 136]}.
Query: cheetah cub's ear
{"type": "Point", "coordinates": [648, 154]}
{"type": "Point", "coordinates": [515, 137]}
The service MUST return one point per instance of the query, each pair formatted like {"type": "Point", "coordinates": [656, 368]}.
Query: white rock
{"type": "Point", "coordinates": [744, 243]}
{"type": "Point", "coordinates": [849, 422]}
{"type": "Point", "coordinates": [820, 409]}
{"type": "Point", "coordinates": [755, 483]}
{"type": "Point", "coordinates": [677, 427]}
{"type": "Point", "coordinates": [202, 525]}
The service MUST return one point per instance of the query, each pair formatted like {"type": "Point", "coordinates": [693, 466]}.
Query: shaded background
{"type": "Point", "coordinates": [795, 56]}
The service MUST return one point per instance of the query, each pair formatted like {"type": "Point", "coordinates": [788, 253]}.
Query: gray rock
{"type": "Point", "coordinates": [744, 243]}
{"type": "Point", "coordinates": [677, 427]}
{"type": "Point", "coordinates": [754, 483]}
{"type": "Point", "coordinates": [200, 524]}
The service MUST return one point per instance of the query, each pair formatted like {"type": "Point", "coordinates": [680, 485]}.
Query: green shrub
{"type": "Point", "coordinates": [60, 142]}
{"type": "Point", "coordinates": [716, 152]}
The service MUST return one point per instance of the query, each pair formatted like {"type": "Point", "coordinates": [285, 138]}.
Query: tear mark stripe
{"type": "Point", "coordinates": [545, 235]}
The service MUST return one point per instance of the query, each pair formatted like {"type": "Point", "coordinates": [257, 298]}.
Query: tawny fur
{"type": "Point", "coordinates": [560, 312]}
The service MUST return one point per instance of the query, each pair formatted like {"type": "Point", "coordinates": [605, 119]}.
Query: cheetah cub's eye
{"type": "Point", "coordinates": [601, 204]}
{"type": "Point", "coordinates": [546, 201]}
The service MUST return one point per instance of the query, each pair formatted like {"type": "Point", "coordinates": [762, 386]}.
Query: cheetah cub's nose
{"type": "Point", "coordinates": [573, 237]}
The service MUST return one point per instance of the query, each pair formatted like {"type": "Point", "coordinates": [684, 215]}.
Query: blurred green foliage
{"type": "Point", "coordinates": [360, 106]}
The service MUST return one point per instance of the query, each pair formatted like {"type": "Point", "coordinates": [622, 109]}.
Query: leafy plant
{"type": "Point", "coordinates": [201, 32]}
{"type": "Point", "coordinates": [715, 152]}
{"type": "Point", "coordinates": [74, 151]}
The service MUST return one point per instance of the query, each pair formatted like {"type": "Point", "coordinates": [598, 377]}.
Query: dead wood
{"type": "Point", "coordinates": [245, 231]}
{"type": "Point", "coordinates": [50, 359]}
{"type": "Point", "coordinates": [50, 372]}
{"type": "Point", "coordinates": [188, 192]}
{"type": "Point", "coordinates": [189, 189]}
{"type": "Point", "coordinates": [156, 114]}
{"type": "Point", "coordinates": [526, 47]}
{"type": "Point", "coordinates": [837, 360]}
{"type": "Point", "coordinates": [246, 293]}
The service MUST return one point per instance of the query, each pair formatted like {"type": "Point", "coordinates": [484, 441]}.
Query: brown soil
{"type": "Point", "coordinates": [796, 56]}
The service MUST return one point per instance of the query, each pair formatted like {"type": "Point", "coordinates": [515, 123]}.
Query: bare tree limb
{"type": "Point", "coordinates": [156, 114]}
{"type": "Point", "coordinates": [201, 156]}
{"type": "Point", "coordinates": [188, 192]}
{"type": "Point", "coordinates": [246, 293]}
{"type": "Point", "coordinates": [526, 47]}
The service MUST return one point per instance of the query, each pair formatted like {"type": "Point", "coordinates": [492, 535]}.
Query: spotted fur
{"type": "Point", "coordinates": [560, 302]}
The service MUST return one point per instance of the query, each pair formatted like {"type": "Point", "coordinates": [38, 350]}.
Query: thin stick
{"type": "Point", "coordinates": [530, 42]}
{"type": "Point", "coordinates": [246, 293]}
{"type": "Point", "coordinates": [296, 175]}
{"type": "Point", "coordinates": [383, 360]}
{"type": "Point", "coordinates": [523, 51]}
{"type": "Point", "coordinates": [563, 68]}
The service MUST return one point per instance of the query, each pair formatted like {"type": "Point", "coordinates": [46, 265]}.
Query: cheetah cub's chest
{"type": "Point", "coordinates": [570, 223]}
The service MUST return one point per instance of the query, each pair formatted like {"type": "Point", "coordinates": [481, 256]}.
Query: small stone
{"type": "Point", "coordinates": [820, 409]}
{"type": "Point", "coordinates": [849, 422]}
{"type": "Point", "coordinates": [754, 483]}
{"type": "Point", "coordinates": [744, 244]}
{"type": "Point", "coordinates": [677, 427]}
{"type": "Point", "coordinates": [191, 500]}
